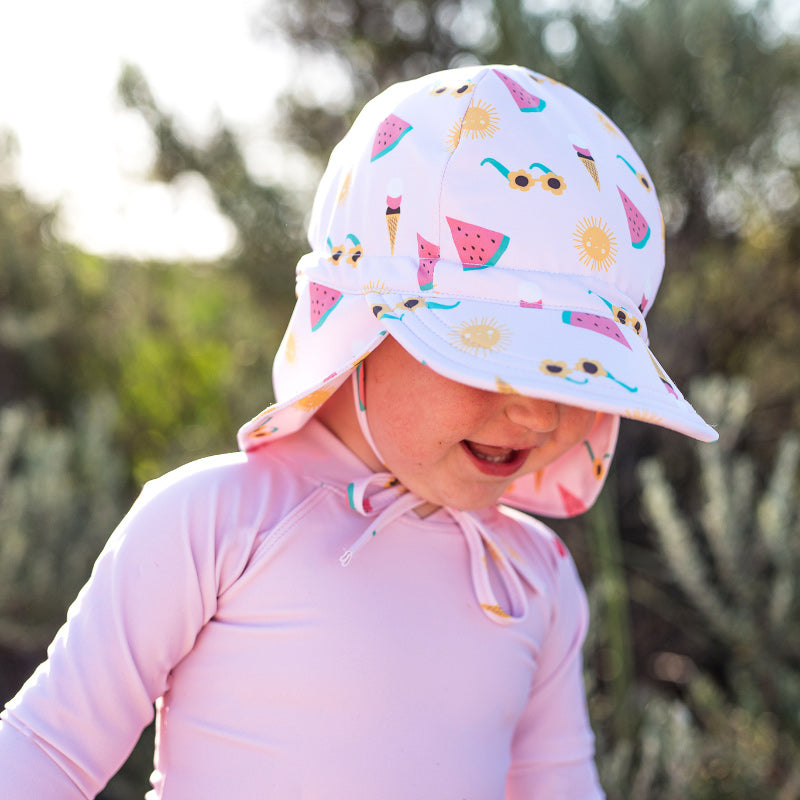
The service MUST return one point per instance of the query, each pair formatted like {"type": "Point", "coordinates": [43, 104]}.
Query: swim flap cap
{"type": "Point", "coordinates": [505, 232]}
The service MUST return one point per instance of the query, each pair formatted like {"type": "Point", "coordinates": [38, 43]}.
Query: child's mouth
{"type": "Point", "coordinates": [494, 460]}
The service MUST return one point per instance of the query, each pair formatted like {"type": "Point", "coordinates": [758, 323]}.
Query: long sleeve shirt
{"type": "Point", "coordinates": [278, 673]}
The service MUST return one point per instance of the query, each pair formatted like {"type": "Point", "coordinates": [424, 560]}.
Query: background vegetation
{"type": "Point", "coordinates": [112, 372]}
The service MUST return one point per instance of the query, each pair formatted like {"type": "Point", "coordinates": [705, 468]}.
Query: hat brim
{"type": "Point", "coordinates": [578, 356]}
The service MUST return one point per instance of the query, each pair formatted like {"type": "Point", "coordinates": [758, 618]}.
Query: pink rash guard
{"type": "Point", "coordinates": [278, 673]}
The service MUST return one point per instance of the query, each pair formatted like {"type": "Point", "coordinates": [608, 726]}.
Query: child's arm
{"type": "Point", "coordinates": [153, 588]}
{"type": "Point", "coordinates": [553, 747]}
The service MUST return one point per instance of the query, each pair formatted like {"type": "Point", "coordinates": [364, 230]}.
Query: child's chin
{"type": "Point", "coordinates": [476, 499]}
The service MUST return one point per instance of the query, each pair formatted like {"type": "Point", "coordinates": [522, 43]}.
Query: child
{"type": "Point", "coordinates": [344, 610]}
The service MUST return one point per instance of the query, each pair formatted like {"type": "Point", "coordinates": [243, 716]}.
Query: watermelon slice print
{"type": "Point", "coordinates": [640, 230]}
{"type": "Point", "coordinates": [478, 247]}
{"type": "Point", "coordinates": [389, 133]}
{"type": "Point", "coordinates": [572, 505]}
{"type": "Point", "coordinates": [323, 301]}
{"type": "Point", "coordinates": [522, 97]}
{"type": "Point", "coordinates": [596, 323]}
{"type": "Point", "coordinates": [428, 256]}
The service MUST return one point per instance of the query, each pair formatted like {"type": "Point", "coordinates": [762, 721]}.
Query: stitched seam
{"type": "Point", "coordinates": [289, 523]}
{"type": "Point", "coordinates": [445, 167]}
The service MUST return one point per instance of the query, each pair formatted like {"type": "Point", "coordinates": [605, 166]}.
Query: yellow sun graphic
{"type": "Point", "coordinates": [376, 287]}
{"type": "Point", "coordinates": [480, 336]}
{"type": "Point", "coordinates": [596, 243]}
{"type": "Point", "coordinates": [607, 123]}
{"type": "Point", "coordinates": [642, 415]}
{"type": "Point", "coordinates": [291, 348]}
{"type": "Point", "coordinates": [311, 402]}
{"type": "Point", "coordinates": [480, 120]}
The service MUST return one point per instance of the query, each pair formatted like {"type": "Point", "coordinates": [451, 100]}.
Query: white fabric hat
{"type": "Point", "coordinates": [504, 231]}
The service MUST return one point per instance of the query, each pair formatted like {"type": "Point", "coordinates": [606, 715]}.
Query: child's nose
{"type": "Point", "coordinates": [542, 416]}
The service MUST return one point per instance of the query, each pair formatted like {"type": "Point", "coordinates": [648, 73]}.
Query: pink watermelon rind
{"type": "Point", "coordinates": [376, 154]}
{"type": "Point", "coordinates": [322, 319]}
{"type": "Point", "coordinates": [315, 325]}
{"type": "Point", "coordinates": [573, 505]}
{"type": "Point", "coordinates": [522, 97]}
{"type": "Point", "coordinates": [463, 231]}
{"type": "Point", "coordinates": [501, 248]}
{"type": "Point", "coordinates": [636, 221]}
{"type": "Point", "coordinates": [596, 323]}
{"type": "Point", "coordinates": [642, 242]}
{"type": "Point", "coordinates": [429, 254]}
{"type": "Point", "coordinates": [427, 285]}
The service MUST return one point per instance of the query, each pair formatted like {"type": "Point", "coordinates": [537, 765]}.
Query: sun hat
{"type": "Point", "coordinates": [503, 230]}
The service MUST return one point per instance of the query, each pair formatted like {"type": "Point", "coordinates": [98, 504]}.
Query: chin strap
{"type": "Point", "coordinates": [381, 495]}
{"type": "Point", "coordinates": [360, 399]}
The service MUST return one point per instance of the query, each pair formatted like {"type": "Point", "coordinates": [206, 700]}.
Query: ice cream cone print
{"type": "Point", "coordinates": [588, 161]}
{"type": "Point", "coordinates": [393, 199]}
{"type": "Point", "coordinates": [392, 218]}
{"type": "Point", "coordinates": [344, 190]}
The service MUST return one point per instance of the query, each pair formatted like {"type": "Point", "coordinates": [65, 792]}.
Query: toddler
{"type": "Point", "coordinates": [353, 606]}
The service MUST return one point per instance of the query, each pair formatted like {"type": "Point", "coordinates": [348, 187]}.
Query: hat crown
{"type": "Point", "coordinates": [496, 167]}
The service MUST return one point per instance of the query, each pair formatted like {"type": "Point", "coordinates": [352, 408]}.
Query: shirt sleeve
{"type": "Point", "coordinates": [553, 746]}
{"type": "Point", "coordinates": [152, 589]}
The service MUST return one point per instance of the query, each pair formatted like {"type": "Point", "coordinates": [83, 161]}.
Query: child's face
{"type": "Point", "coordinates": [456, 445]}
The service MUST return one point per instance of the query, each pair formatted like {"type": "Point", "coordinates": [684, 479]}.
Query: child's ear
{"type": "Point", "coordinates": [599, 418]}
{"type": "Point", "coordinates": [603, 419]}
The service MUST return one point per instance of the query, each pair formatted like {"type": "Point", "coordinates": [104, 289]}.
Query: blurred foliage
{"type": "Point", "coordinates": [714, 712]}
{"type": "Point", "coordinates": [113, 371]}
{"type": "Point", "coordinates": [184, 349]}
{"type": "Point", "coordinates": [61, 495]}
{"type": "Point", "coordinates": [736, 564]}
{"type": "Point", "coordinates": [266, 218]}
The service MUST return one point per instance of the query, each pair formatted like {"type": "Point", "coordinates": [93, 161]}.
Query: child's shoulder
{"type": "Point", "coordinates": [222, 474]}
{"type": "Point", "coordinates": [284, 461]}
{"type": "Point", "coordinates": [249, 490]}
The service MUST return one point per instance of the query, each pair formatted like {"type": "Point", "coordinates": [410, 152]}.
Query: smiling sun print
{"type": "Point", "coordinates": [596, 244]}
{"type": "Point", "coordinates": [480, 336]}
{"type": "Point", "coordinates": [480, 120]}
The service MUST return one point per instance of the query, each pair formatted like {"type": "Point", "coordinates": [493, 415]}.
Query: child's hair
{"type": "Point", "coordinates": [503, 230]}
